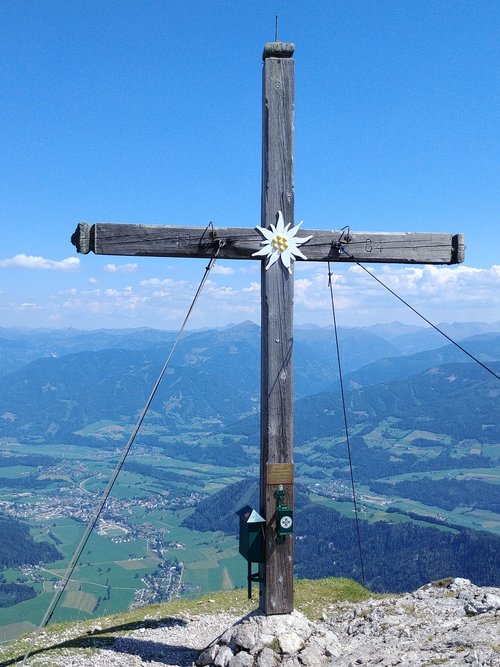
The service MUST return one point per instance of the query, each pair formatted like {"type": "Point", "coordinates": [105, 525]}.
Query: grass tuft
{"type": "Point", "coordinates": [313, 596]}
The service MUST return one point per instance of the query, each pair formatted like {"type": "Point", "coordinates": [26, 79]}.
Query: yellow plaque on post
{"type": "Point", "coordinates": [279, 473]}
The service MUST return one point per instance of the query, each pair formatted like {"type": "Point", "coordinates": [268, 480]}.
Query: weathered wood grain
{"type": "Point", "coordinates": [278, 50]}
{"type": "Point", "coordinates": [105, 238]}
{"type": "Point", "coordinates": [276, 591]}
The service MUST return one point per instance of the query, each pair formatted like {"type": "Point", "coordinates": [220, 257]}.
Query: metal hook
{"type": "Point", "coordinates": [347, 236]}
{"type": "Point", "coordinates": [212, 233]}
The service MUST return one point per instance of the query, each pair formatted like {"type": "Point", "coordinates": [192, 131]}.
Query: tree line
{"type": "Point", "coordinates": [396, 557]}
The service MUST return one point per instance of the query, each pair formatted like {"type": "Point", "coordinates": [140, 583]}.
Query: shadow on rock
{"type": "Point", "coordinates": [101, 638]}
{"type": "Point", "coordinates": [149, 651]}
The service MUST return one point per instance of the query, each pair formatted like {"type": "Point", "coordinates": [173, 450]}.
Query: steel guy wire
{"type": "Point", "coordinates": [100, 506]}
{"type": "Point", "coordinates": [346, 427]}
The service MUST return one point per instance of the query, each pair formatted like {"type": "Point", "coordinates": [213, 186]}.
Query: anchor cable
{"type": "Point", "coordinates": [341, 249]}
{"type": "Point", "coordinates": [97, 512]}
{"type": "Point", "coordinates": [346, 427]}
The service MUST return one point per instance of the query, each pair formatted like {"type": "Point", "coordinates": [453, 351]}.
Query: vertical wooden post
{"type": "Point", "coordinates": [276, 588]}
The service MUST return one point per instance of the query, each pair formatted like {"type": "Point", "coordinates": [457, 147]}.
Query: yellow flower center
{"type": "Point", "coordinates": [280, 242]}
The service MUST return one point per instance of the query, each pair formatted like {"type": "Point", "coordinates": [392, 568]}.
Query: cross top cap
{"type": "Point", "coordinates": [278, 50]}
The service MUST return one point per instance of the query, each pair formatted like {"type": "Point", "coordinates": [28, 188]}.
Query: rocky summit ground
{"type": "Point", "coordinates": [451, 622]}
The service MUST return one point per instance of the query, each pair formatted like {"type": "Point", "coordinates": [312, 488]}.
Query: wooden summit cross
{"type": "Point", "coordinates": [276, 457]}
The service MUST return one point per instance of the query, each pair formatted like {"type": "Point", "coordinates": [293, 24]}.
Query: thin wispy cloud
{"type": "Point", "coordinates": [29, 306]}
{"type": "Point", "coordinates": [440, 292]}
{"type": "Point", "coordinates": [443, 294]}
{"type": "Point", "coordinates": [253, 287]}
{"type": "Point", "coordinates": [23, 261]}
{"type": "Point", "coordinates": [220, 270]}
{"type": "Point", "coordinates": [121, 268]}
{"type": "Point", "coordinates": [156, 282]}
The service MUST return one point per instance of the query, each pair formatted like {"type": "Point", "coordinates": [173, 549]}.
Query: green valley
{"type": "Point", "coordinates": [425, 447]}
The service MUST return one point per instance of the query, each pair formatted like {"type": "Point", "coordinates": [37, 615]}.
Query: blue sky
{"type": "Point", "coordinates": [150, 112]}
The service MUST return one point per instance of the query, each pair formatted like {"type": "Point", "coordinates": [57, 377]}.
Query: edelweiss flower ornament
{"type": "Point", "coordinates": [280, 242]}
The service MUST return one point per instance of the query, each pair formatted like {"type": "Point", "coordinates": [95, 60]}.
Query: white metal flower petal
{"type": "Point", "coordinates": [273, 258]}
{"type": "Point", "coordinates": [286, 258]}
{"type": "Point", "coordinates": [280, 242]}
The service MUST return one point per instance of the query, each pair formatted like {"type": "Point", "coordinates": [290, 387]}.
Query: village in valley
{"type": "Point", "coordinates": [130, 535]}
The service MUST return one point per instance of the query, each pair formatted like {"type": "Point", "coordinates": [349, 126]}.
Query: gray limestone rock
{"type": "Point", "coordinates": [290, 642]}
{"type": "Point", "coordinates": [311, 656]}
{"type": "Point", "coordinates": [442, 622]}
{"type": "Point", "coordinates": [326, 642]}
{"type": "Point", "coordinates": [267, 658]}
{"type": "Point", "coordinates": [207, 656]}
{"type": "Point", "coordinates": [242, 659]}
{"type": "Point", "coordinates": [291, 661]}
{"type": "Point", "coordinates": [245, 636]}
{"type": "Point", "coordinates": [223, 657]}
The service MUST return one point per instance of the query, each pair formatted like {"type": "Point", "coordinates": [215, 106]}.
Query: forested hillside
{"type": "Point", "coordinates": [17, 548]}
{"type": "Point", "coordinates": [396, 556]}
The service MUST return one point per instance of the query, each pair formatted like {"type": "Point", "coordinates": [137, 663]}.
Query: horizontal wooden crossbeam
{"type": "Point", "coordinates": [105, 238]}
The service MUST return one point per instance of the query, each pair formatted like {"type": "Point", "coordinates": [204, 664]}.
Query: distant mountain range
{"type": "Point", "coordinates": [410, 338]}
{"type": "Point", "coordinates": [66, 381]}
{"type": "Point", "coordinates": [213, 375]}
{"type": "Point", "coordinates": [19, 347]}
{"type": "Point", "coordinates": [485, 347]}
{"type": "Point", "coordinates": [460, 400]}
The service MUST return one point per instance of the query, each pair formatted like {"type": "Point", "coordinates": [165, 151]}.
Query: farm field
{"type": "Point", "coordinates": [120, 552]}
{"type": "Point", "coordinates": [140, 549]}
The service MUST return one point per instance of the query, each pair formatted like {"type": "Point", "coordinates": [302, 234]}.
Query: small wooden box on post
{"type": "Point", "coordinates": [276, 462]}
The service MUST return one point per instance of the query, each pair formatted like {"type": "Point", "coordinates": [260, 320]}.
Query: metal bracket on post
{"type": "Point", "coordinates": [252, 576]}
